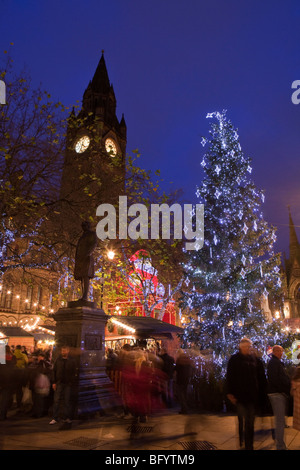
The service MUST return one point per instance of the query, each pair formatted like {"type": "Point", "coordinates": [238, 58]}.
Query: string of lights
{"type": "Point", "coordinates": [232, 280]}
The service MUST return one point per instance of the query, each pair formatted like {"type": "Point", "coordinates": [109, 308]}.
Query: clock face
{"type": "Point", "coordinates": [111, 147]}
{"type": "Point", "coordinates": [82, 144]}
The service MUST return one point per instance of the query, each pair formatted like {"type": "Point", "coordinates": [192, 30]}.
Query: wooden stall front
{"type": "Point", "coordinates": [18, 336]}
{"type": "Point", "coordinates": [138, 330]}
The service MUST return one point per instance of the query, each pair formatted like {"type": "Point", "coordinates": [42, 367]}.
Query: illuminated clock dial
{"type": "Point", "coordinates": [82, 144]}
{"type": "Point", "coordinates": [111, 147]}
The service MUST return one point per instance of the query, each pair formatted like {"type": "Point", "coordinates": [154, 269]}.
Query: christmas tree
{"type": "Point", "coordinates": [230, 279]}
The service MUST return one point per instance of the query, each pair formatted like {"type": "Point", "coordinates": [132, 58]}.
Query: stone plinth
{"type": "Point", "coordinates": [83, 329]}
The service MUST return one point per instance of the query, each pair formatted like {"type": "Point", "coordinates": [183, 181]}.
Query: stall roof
{"type": "Point", "coordinates": [148, 325]}
{"type": "Point", "coordinates": [17, 331]}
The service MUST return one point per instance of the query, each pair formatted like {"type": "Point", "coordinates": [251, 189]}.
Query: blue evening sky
{"type": "Point", "coordinates": [171, 62]}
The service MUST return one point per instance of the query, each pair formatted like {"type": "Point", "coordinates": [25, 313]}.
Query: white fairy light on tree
{"type": "Point", "coordinates": [236, 237]}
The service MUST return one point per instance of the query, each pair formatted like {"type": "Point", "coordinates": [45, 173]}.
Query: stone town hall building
{"type": "Point", "coordinates": [292, 278]}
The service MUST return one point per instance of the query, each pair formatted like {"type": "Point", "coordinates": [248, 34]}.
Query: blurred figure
{"type": "Point", "coordinates": [279, 386]}
{"type": "Point", "coordinates": [156, 381]}
{"type": "Point", "coordinates": [48, 356]}
{"type": "Point", "coordinates": [183, 369]}
{"type": "Point", "coordinates": [168, 368]}
{"type": "Point", "coordinates": [40, 386]}
{"type": "Point", "coordinates": [123, 382]}
{"type": "Point", "coordinates": [64, 375]}
{"type": "Point", "coordinates": [243, 390]}
{"type": "Point", "coordinates": [144, 386]}
{"type": "Point", "coordinates": [21, 374]}
{"type": "Point", "coordinates": [24, 350]}
{"type": "Point", "coordinates": [7, 382]}
{"type": "Point", "coordinates": [21, 358]}
{"type": "Point", "coordinates": [295, 392]}
{"type": "Point", "coordinates": [111, 362]}
{"type": "Point", "coordinates": [262, 402]}
{"type": "Point", "coordinates": [136, 374]}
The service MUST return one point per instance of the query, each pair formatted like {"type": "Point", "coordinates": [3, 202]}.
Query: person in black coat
{"type": "Point", "coordinates": [168, 367]}
{"type": "Point", "coordinates": [39, 384]}
{"type": "Point", "coordinates": [64, 376]}
{"type": "Point", "coordinates": [243, 382]}
{"type": "Point", "coordinates": [279, 386]}
{"type": "Point", "coordinates": [8, 382]}
{"type": "Point", "coordinates": [183, 369]}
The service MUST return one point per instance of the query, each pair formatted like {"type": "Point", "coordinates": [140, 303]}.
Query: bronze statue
{"type": "Point", "coordinates": [84, 260]}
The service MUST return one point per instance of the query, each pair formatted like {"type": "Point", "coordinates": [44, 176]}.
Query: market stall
{"type": "Point", "coordinates": [141, 331]}
{"type": "Point", "coordinates": [17, 336]}
{"type": "Point", "coordinates": [3, 343]}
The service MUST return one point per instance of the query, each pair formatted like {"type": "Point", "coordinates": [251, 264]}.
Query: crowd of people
{"type": "Point", "coordinates": [25, 380]}
{"type": "Point", "coordinates": [249, 385]}
{"type": "Point", "coordinates": [35, 383]}
{"type": "Point", "coordinates": [144, 379]}
{"type": "Point", "coordinates": [150, 380]}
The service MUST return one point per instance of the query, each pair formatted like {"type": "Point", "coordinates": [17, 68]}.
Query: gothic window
{"type": "Point", "coordinates": [39, 295]}
{"type": "Point", "coordinates": [2, 298]}
{"type": "Point", "coordinates": [6, 297]}
{"type": "Point", "coordinates": [28, 299]}
{"type": "Point", "coordinates": [297, 299]}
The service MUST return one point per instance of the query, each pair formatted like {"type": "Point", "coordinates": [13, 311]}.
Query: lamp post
{"type": "Point", "coordinates": [110, 255]}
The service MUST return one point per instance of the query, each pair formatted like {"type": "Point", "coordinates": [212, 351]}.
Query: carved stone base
{"type": "Point", "coordinates": [83, 329]}
{"type": "Point", "coordinates": [81, 303]}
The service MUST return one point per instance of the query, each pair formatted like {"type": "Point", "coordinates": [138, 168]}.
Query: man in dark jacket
{"type": "Point", "coordinates": [8, 382]}
{"type": "Point", "coordinates": [64, 374]}
{"type": "Point", "coordinates": [243, 387]}
{"type": "Point", "coordinates": [168, 372]}
{"type": "Point", "coordinates": [279, 386]}
{"type": "Point", "coordinates": [183, 369]}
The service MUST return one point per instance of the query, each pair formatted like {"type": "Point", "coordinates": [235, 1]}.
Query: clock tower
{"type": "Point", "coordinates": [94, 165]}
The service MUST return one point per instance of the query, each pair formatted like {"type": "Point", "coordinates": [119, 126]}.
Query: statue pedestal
{"type": "Point", "coordinates": [83, 329]}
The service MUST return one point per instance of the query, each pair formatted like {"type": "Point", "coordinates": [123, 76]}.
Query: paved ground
{"type": "Point", "coordinates": [167, 432]}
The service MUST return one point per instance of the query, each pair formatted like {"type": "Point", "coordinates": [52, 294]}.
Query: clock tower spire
{"type": "Point", "coordinates": [99, 92]}
{"type": "Point", "coordinates": [94, 165]}
{"type": "Point", "coordinates": [99, 100]}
